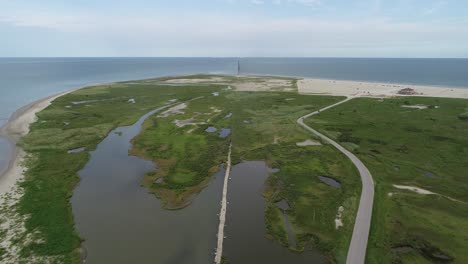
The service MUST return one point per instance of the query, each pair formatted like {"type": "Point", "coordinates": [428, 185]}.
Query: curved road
{"type": "Point", "coordinates": [358, 245]}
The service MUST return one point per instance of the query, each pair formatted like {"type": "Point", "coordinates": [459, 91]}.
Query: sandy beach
{"type": "Point", "coordinates": [370, 89]}
{"type": "Point", "coordinates": [13, 130]}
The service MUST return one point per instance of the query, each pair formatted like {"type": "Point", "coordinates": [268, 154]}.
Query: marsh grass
{"type": "Point", "coordinates": [187, 157]}
{"type": "Point", "coordinates": [400, 146]}
{"type": "Point", "coordinates": [52, 173]}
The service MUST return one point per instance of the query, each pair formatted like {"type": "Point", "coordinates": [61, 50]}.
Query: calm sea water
{"type": "Point", "coordinates": [23, 80]}
{"type": "Point", "coordinates": [434, 72]}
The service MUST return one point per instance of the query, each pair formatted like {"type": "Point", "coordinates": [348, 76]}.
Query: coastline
{"type": "Point", "coordinates": [18, 124]}
{"type": "Point", "coordinates": [16, 127]}
{"type": "Point", "coordinates": [374, 89]}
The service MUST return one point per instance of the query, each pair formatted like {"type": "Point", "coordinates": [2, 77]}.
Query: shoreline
{"type": "Point", "coordinates": [406, 84]}
{"type": "Point", "coordinates": [375, 89]}
{"type": "Point", "coordinates": [18, 123]}
{"type": "Point", "coordinates": [16, 127]}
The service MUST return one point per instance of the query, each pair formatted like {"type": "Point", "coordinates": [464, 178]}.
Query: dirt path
{"type": "Point", "coordinates": [222, 214]}
{"type": "Point", "coordinates": [358, 245]}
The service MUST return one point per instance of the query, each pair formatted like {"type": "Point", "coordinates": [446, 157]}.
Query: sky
{"type": "Point", "coordinates": [234, 28]}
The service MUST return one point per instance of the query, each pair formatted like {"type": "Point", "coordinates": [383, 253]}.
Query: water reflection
{"type": "Point", "coordinates": [245, 228]}
{"type": "Point", "coordinates": [122, 223]}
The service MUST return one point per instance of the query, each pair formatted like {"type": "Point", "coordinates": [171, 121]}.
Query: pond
{"type": "Point", "coordinates": [245, 241]}
{"type": "Point", "coordinates": [224, 132]}
{"type": "Point", "coordinates": [330, 181]}
{"type": "Point", "coordinates": [122, 223]}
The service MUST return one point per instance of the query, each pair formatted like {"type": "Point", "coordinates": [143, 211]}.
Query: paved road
{"type": "Point", "coordinates": [358, 246]}
{"type": "Point", "coordinates": [222, 214]}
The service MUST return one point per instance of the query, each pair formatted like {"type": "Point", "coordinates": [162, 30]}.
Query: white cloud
{"type": "Point", "coordinates": [208, 34]}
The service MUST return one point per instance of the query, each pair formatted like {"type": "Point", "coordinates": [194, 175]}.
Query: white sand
{"type": "Point", "coordinates": [369, 89]}
{"type": "Point", "coordinates": [425, 192]}
{"type": "Point", "coordinates": [195, 80]}
{"type": "Point", "coordinates": [11, 222]}
{"type": "Point", "coordinates": [17, 127]}
{"type": "Point", "coordinates": [187, 122]}
{"type": "Point", "coordinates": [174, 110]}
{"type": "Point", "coordinates": [413, 188]}
{"type": "Point", "coordinates": [308, 142]}
{"type": "Point", "coordinates": [242, 83]}
{"type": "Point", "coordinates": [339, 216]}
{"type": "Point", "coordinates": [415, 106]}
{"type": "Point", "coordinates": [264, 84]}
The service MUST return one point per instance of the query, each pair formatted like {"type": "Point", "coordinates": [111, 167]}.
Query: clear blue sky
{"type": "Point", "coordinates": [304, 28]}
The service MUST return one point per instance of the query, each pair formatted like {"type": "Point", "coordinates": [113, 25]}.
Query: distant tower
{"type": "Point", "coordinates": [238, 67]}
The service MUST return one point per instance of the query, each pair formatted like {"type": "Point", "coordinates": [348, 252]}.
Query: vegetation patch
{"type": "Point", "coordinates": [464, 116]}
{"type": "Point", "coordinates": [433, 139]}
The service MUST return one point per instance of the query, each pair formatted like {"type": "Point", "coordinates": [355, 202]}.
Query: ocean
{"type": "Point", "coordinates": [24, 80]}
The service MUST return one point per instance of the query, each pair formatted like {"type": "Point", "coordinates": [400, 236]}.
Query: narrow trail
{"type": "Point", "coordinates": [358, 246]}
{"type": "Point", "coordinates": [222, 214]}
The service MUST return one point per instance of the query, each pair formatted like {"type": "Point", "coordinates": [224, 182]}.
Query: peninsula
{"type": "Point", "coordinates": [325, 140]}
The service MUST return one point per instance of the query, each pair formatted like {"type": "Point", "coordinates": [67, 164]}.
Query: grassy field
{"type": "Point", "coordinates": [266, 129]}
{"type": "Point", "coordinates": [426, 148]}
{"type": "Point", "coordinates": [186, 155]}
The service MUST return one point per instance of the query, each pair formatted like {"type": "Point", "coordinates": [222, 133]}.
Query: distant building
{"type": "Point", "coordinates": [407, 91]}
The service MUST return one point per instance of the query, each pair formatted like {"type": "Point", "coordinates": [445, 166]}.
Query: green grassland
{"type": "Point", "coordinates": [271, 134]}
{"type": "Point", "coordinates": [426, 148]}
{"type": "Point", "coordinates": [186, 156]}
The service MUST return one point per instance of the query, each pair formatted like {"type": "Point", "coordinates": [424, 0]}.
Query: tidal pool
{"type": "Point", "coordinates": [330, 181]}
{"type": "Point", "coordinates": [224, 132]}
{"type": "Point", "coordinates": [121, 223]}
{"type": "Point", "coordinates": [245, 241]}
{"type": "Point", "coordinates": [211, 129]}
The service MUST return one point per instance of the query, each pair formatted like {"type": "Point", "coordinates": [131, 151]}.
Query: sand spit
{"type": "Point", "coordinates": [265, 84]}
{"type": "Point", "coordinates": [420, 107]}
{"type": "Point", "coordinates": [196, 80]}
{"type": "Point", "coordinates": [175, 110]}
{"type": "Point", "coordinates": [18, 126]}
{"type": "Point", "coordinates": [423, 191]}
{"type": "Point", "coordinates": [11, 222]}
{"type": "Point", "coordinates": [241, 83]}
{"type": "Point", "coordinates": [413, 188]}
{"type": "Point", "coordinates": [369, 89]}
